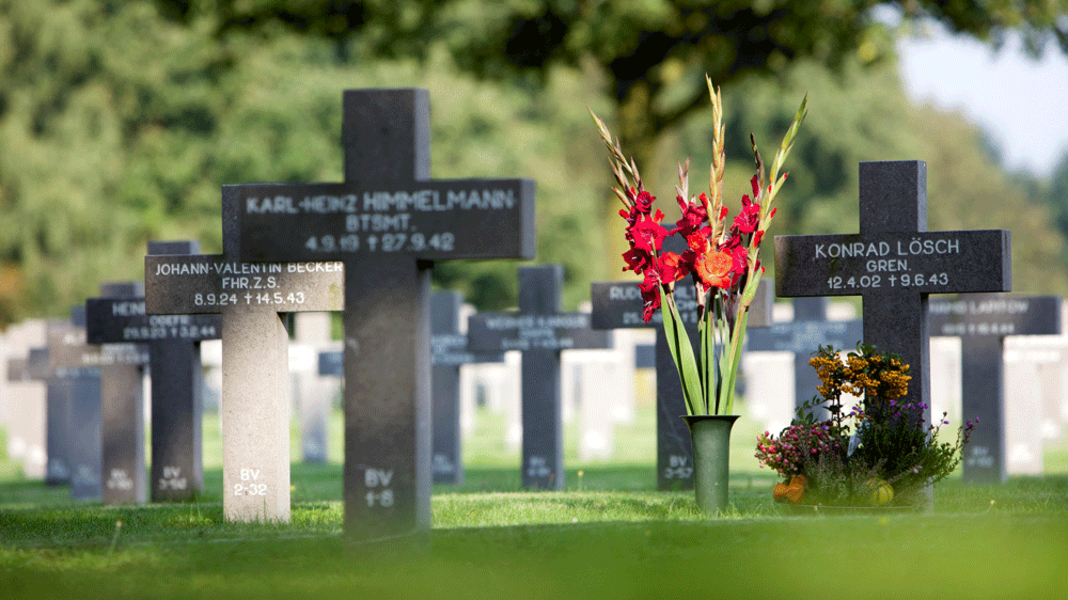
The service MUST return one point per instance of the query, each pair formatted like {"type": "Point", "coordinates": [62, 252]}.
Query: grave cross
{"type": "Point", "coordinates": [540, 332]}
{"type": "Point", "coordinates": [80, 369]}
{"type": "Point", "coordinates": [256, 391]}
{"type": "Point", "coordinates": [177, 383]}
{"type": "Point", "coordinates": [893, 264]}
{"type": "Point", "coordinates": [982, 322]}
{"type": "Point", "coordinates": [58, 397]}
{"type": "Point", "coordinates": [618, 305]}
{"type": "Point", "coordinates": [448, 351]}
{"type": "Point", "coordinates": [387, 222]}
{"type": "Point", "coordinates": [809, 330]}
{"type": "Point", "coordinates": [121, 399]}
{"type": "Point", "coordinates": [76, 376]}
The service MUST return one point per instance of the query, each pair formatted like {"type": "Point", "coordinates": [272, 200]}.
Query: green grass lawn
{"type": "Point", "coordinates": [609, 535]}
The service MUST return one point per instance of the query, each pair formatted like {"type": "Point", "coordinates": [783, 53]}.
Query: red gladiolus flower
{"type": "Point", "coordinates": [698, 242]}
{"type": "Point", "coordinates": [643, 203]}
{"type": "Point", "coordinates": [714, 269]}
{"type": "Point", "coordinates": [749, 218]}
{"type": "Point", "coordinates": [647, 234]}
{"type": "Point", "coordinates": [650, 288]}
{"type": "Point", "coordinates": [740, 260]}
{"type": "Point", "coordinates": [637, 260]}
{"type": "Point", "coordinates": [671, 267]}
{"type": "Point", "coordinates": [693, 215]}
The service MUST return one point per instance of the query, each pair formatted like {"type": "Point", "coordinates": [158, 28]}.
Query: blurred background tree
{"type": "Point", "coordinates": [119, 120]}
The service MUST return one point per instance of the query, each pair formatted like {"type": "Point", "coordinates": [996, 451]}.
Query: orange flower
{"type": "Point", "coordinates": [714, 268]}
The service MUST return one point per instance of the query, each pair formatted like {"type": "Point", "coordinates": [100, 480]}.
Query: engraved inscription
{"type": "Point", "coordinates": [249, 485]}
{"type": "Point", "coordinates": [377, 482]}
{"type": "Point", "coordinates": [205, 284]}
{"type": "Point", "coordinates": [679, 467]}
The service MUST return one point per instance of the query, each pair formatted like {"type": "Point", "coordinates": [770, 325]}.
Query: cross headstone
{"type": "Point", "coordinates": [121, 394]}
{"type": "Point", "coordinates": [173, 343]}
{"type": "Point", "coordinates": [982, 321]}
{"type": "Point", "coordinates": [809, 330]}
{"type": "Point", "coordinates": [448, 352]}
{"type": "Point", "coordinates": [618, 305]}
{"type": "Point", "coordinates": [388, 222]}
{"type": "Point", "coordinates": [75, 367]}
{"type": "Point", "coordinates": [894, 263]}
{"type": "Point", "coordinates": [255, 358]}
{"type": "Point", "coordinates": [540, 331]}
{"type": "Point", "coordinates": [58, 396]}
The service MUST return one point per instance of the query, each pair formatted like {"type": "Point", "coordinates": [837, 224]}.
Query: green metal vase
{"type": "Point", "coordinates": [711, 436]}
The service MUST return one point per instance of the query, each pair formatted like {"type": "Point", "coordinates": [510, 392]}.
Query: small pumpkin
{"type": "Point", "coordinates": [779, 492]}
{"type": "Point", "coordinates": [795, 493]}
{"type": "Point", "coordinates": [881, 492]}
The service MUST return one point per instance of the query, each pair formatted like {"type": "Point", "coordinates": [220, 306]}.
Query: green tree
{"type": "Point", "coordinates": [650, 55]}
{"type": "Point", "coordinates": [118, 126]}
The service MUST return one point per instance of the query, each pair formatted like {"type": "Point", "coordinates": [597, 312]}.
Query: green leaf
{"type": "Point", "coordinates": [707, 358]}
{"type": "Point", "coordinates": [682, 353]}
{"type": "Point", "coordinates": [731, 362]}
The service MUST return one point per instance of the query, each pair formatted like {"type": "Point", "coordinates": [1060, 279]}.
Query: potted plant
{"type": "Point", "coordinates": [722, 260]}
{"type": "Point", "coordinates": [879, 454]}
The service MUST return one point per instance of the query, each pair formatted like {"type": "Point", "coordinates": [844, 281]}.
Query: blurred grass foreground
{"type": "Point", "coordinates": [610, 534]}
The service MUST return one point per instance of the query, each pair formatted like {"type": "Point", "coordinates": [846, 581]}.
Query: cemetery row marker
{"type": "Point", "coordinates": [256, 388]}
{"type": "Point", "coordinates": [540, 331]}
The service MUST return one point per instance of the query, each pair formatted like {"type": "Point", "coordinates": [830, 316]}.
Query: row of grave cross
{"type": "Point", "coordinates": [366, 246]}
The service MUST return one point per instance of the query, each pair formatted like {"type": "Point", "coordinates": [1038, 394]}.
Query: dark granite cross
{"type": "Point", "coordinates": [894, 263]}
{"type": "Point", "coordinates": [95, 379]}
{"type": "Point", "coordinates": [57, 412]}
{"type": "Point", "coordinates": [448, 352]}
{"type": "Point", "coordinates": [982, 322]}
{"type": "Point", "coordinates": [388, 222]}
{"type": "Point", "coordinates": [174, 353]}
{"type": "Point", "coordinates": [618, 305]}
{"type": "Point", "coordinates": [121, 402]}
{"type": "Point", "coordinates": [540, 331]}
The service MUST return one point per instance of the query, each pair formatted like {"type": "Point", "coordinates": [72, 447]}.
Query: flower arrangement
{"type": "Point", "coordinates": [879, 453]}
{"type": "Point", "coordinates": [722, 259]}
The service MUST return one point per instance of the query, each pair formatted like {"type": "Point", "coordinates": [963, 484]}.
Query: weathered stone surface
{"type": "Point", "coordinates": [255, 363]}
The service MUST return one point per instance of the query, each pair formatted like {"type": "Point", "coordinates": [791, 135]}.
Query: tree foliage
{"type": "Point", "coordinates": [652, 54]}
{"type": "Point", "coordinates": [118, 126]}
